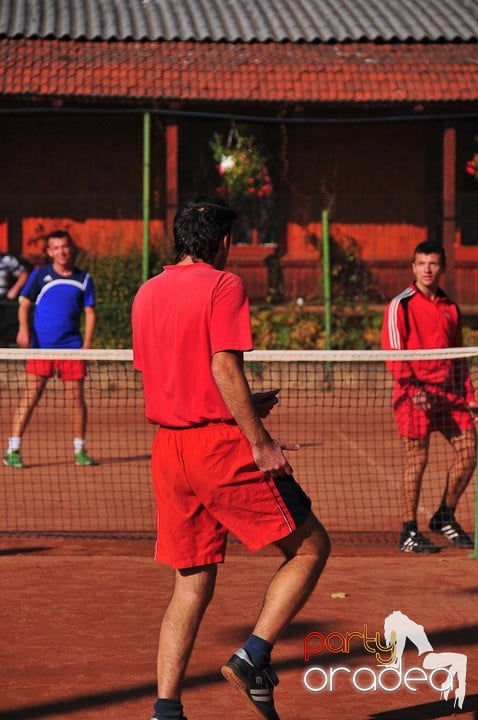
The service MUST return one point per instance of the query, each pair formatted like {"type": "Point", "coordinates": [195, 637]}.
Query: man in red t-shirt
{"type": "Point", "coordinates": [215, 467]}
{"type": "Point", "coordinates": [430, 395]}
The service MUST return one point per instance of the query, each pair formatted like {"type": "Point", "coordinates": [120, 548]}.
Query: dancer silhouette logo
{"type": "Point", "coordinates": [444, 672]}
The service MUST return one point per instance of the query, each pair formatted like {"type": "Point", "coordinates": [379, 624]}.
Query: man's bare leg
{"type": "Point", "coordinates": [193, 590]}
{"type": "Point", "coordinates": [27, 404]}
{"type": "Point", "coordinates": [416, 458]}
{"type": "Point", "coordinates": [460, 473]}
{"type": "Point", "coordinates": [462, 468]}
{"type": "Point", "coordinates": [306, 551]}
{"type": "Point", "coordinates": [76, 407]}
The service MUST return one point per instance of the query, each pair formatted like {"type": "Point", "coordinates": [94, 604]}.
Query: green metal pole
{"type": "Point", "coordinates": [146, 192]}
{"type": "Point", "coordinates": [326, 278]}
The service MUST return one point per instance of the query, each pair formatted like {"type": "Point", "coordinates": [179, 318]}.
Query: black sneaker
{"type": "Point", "coordinates": [256, 685]}
{"type": "Point", "coordinates": [413, 541]}
{"type": "Point", "coordinates": [452, 531]}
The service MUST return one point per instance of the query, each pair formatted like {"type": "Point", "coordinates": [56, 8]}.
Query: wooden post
{"type": "Point", "coordinates": [449, 206]}
{"type": "Point", "coordinates": [171, 176]}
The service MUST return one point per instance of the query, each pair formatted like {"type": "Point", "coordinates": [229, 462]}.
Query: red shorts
{"type": "Point", "coordinates": [449, 415]}
{"type": "Point", "coordinates": [66, 369]}
{"type": "Point", "coordinates": [206, 483]}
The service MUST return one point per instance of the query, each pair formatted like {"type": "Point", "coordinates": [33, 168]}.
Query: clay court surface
{"type": "Point", "coordinates": [80, 617]}
{"type": "Point", "coordinates": [80, 620]}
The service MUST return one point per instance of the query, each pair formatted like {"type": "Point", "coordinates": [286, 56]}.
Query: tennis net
{"type": "Point", "coordinates": [336, 404]}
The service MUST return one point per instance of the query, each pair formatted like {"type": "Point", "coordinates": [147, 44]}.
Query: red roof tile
{"type": "Point", "coordinates": [255, 72]}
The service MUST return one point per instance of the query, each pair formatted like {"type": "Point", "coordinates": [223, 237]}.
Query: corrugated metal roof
{"type": "Point", "coordinates": [242, 20]}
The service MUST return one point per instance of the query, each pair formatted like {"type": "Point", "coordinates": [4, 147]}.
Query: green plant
{"type": "Point", "coordinates": [242, 168]}
{"type": "Point", "coordinates": [245, 183]}
{"type": "Point", "coordinates": [117, 279]}
{"type": "Point", "coordinates": [471, 167]}
{"type": "Point", "coordinates": [118, 276]}
{"type": "Point", "coordinates": [293, 328]}
{"type": "Point", "coordinates": [470, 336]}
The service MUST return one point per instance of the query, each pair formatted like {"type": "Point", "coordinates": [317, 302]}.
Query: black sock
{"type": "Point", "coordinates": [259, 651]}
{"type": "Point", "coordinates": [445, 513]}
{"type": "Point", "coordinates": [167, 709]}
{"type": "Point", "coordinates": [410, 526]}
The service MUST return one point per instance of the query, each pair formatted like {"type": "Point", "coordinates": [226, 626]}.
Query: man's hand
{"type": "Point", "coordinates": [265, 401]}
{"type": "Point", "coordinates": [271, 460]}
{"type": "Point", "coordinates": [421, 400]}
{"type": "Point", "coordinates": [228, 372]}
{"type": "Point", "coordinates": [23, 338]}
{"type": "Point", "coordinates": [473, 407]}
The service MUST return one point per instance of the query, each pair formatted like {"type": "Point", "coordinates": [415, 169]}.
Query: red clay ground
{"type": "Point", "coordinates": [80, 621]}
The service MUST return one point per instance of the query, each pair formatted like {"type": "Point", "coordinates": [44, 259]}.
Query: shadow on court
{"type": "Point", "coordinates": [466, 637]}
{"type": "Point", "coordinates": [23, 550]}
{"type": "Point", "coordinates": [62, 708]}
{"type": "Point", "coordinates": [430, 711]}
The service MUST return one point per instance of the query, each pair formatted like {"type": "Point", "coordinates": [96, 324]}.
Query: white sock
{"type": "Point", "coordinates": [14, 444]}
{"type": "Point", "coordinates": [78, 444]}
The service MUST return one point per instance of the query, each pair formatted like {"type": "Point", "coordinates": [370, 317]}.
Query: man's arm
{"type": "Point", "coordinates": [15, 289]}
{"type": "Point", "coordinates": [394, 333]}
{"type": "Point", "coordinates": [23, 335]}
{"type": "Point", "coordinates": [90, 324]}
{"type": "Point", "coordinates": [229, 376]}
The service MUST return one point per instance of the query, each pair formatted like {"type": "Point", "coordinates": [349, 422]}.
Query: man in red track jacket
{"type": "Point", "coordinates": [430, 395]}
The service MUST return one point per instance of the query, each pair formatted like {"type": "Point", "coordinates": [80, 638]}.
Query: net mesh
{"type": "Point", "coordinates": [337, 405]}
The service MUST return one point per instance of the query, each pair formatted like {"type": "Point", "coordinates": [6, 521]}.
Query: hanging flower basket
{"type": "Point", "coordinates": [471, 166]}
{"type": "Point", "coordinates": [242, 168]}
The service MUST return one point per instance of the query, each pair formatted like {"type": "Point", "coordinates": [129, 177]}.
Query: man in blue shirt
{"type": "Point", "coordinates": [59, 294]}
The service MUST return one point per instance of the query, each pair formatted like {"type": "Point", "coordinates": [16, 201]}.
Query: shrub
{"type": "Point", "coordinates": [117, 279]}
{"type": "Point", "coordinates": [293, 328]}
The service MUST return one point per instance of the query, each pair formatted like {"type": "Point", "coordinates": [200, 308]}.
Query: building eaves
{"type": "Point", "coordinates": [308, 21]}
{"type": "Point", "coordinates": [170, 72]}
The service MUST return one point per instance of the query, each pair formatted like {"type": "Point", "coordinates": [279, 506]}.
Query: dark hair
{"type": "Point", "coordinates": [58, 234]}
{"type": "Point", "coordinates": [199, 227]}
{"type": "Point", "coordinates": [429, 247]}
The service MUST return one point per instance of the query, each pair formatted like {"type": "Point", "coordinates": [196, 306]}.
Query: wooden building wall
{"type": "Point", "coordinates": [79, 172]}
{"type": "Point", "coordinates": [381, 181]}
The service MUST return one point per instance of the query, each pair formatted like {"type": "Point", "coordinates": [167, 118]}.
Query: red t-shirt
{"type": "Point", "coordinates": [414, 322]}
{"type": "Point", "coordinates": [180, 319]}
